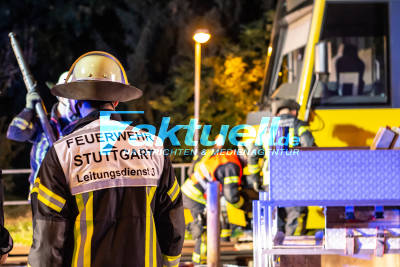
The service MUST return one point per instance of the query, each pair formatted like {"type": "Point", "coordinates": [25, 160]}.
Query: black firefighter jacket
{"type": "Point", "coordinates": [103, 198]}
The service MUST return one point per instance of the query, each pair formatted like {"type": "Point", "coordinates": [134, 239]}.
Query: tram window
{"type": "Point", "coordinates": [289, 73]}
{"type": "Point", "coordinates": [358, 36]}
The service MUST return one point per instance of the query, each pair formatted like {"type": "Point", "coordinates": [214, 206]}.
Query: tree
{"type": "Point", "coordinates": [151, 38]}
{"type": "Point", "coordinates": [230, 83]}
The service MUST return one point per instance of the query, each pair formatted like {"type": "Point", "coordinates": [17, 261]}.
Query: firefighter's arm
{"type": "Point", "coordinates": [23, 127]}
{"type": "Point", "coordinates": [53, 216]}
{"type": "Point", "coordinates": [306, 137]}
{"type": "Point", "coordinates": [230, 175]}
{"type": "Point", "coordinates": [169, 218]}
{"type": "Point", "coordinates": [253, 158]}
{"type": "Point", "coordinates": [253, 168]}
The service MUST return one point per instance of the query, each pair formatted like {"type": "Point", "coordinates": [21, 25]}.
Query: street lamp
{"type": "Point", "coordinates": [201, 36]}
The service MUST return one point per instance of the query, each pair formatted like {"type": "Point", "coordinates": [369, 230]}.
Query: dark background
{"type": "Point", "coordinates": [150, 38]}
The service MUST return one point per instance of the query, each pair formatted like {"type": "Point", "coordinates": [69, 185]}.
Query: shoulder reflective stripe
{"type": "Point", "coordinates": [239, 203]}
{"type": "Point", "coordinates": [83, 230]}
{"type": "Point", "coordinates": [51, 194]}
{"type": "Point", "coordinates": [21, 123]}
{"type": "Point", "coordinates": [47, 197]}
{"type": "Point", "coordinates": [231, 179]}
{"type": "Point", "coordinates": [302, 130]}
{"type": "Point", "coordinates": [192, 192]}
{"type": "Point", "coordinates": [171, 261]}
{"type": "Point", "coordinates": [42, 198]}
{"type": "Point", "coordinates": [150, 235]}
{"type": "Point", "coordinates": [174, 191]}
{"type": "Point", "coordinates": [20, 126]}
{"type": "Point", "coordinates": [21, 120]}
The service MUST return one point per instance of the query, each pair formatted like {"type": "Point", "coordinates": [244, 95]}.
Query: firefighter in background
{"type": "Point", "coordinates": [226, 168]}
{"type": "Point", "coordinates": [252, 170]}
{"type": "Point", "coordinates": [26, 126]}
{"type": "Point", "coordinates": [287, 110]}
{"type": "Point", "coordinates": [98, 207]}
{"type": "Point", "coordinates": [291, 220]}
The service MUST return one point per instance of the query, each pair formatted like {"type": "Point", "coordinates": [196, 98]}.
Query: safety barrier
{"type": "Point", "coordinates": [180, 171]}
{"type": "Point", "coordinates": [330, 178]}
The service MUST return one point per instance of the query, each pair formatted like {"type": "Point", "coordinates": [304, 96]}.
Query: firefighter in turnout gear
{"type": "Point", "coordinates": [104, 195]}
{"type": "Point", "coordinates": [291, 220]}
{"type": "Point", "coordinates": [26, 126]}
{"type": "Point", "coordinates": [227, 169]}
{"type": "Point", "coordinates": [287, 110]}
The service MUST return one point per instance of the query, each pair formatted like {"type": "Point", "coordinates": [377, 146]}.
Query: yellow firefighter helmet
{"type": "Point", "coordinates": [97, 75]}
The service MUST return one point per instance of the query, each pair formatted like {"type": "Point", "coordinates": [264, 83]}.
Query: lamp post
{"type": "Point", "coordinates": [201, 36]}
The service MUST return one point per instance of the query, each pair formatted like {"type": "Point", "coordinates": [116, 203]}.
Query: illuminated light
{"type": "Point", "coordinates": [202, 36]}
{"type": "Point", "coordinates": [280, 74]}
{"type": "Point", "coordinates": [269, 50]}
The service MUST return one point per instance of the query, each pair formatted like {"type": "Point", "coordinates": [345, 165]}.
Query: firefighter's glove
{"type": "Point", "coordinates": [31, 99]}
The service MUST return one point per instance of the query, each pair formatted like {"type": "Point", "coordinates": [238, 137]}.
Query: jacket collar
{"type": "Point", "coordinates": [94, 115]}
{"type": "Point", "coordinates": [287, 116]}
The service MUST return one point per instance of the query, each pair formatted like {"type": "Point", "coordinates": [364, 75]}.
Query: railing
{"type": "Point", "coordinates": [181, 175]}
